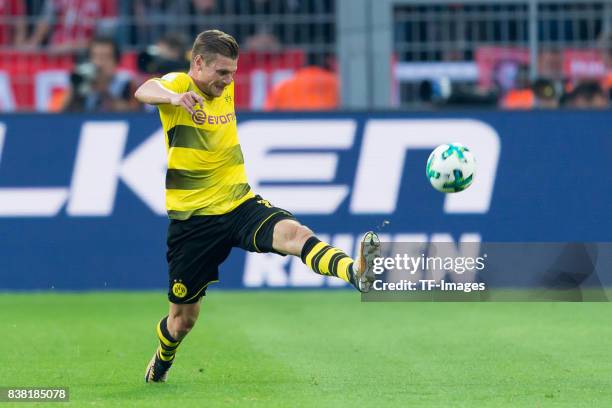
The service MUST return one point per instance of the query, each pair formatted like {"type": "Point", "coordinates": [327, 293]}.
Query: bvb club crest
{"type": "Point", "coordinates": [179, 290]}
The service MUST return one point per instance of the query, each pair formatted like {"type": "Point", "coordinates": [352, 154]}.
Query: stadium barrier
{"type": "Point", "coordinates": [82, 199]}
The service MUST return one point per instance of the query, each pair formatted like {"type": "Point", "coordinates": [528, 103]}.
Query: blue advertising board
{"type": "Point", "coordinates": [82, 199]}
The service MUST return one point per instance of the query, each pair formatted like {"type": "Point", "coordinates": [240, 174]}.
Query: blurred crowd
{"type": "Point", "coordinates": [542, 93]}
{"type": "Point", "coordinates": [548, 94]}
{"type": "Point", "coordinates": [68, 25]}
{"type": "Point", "coordinates": [98, 34]}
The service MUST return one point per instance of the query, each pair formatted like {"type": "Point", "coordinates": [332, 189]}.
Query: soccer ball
{"type": "Point", "coordinates": [451, 168]}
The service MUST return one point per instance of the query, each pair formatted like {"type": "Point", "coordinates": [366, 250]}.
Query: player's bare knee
{"type": "Point", "coordinates": [301, 235]}
{"type": "Point", "coordinates": [290, 236]}
{"type": "Point", "coordinates": [292, 232]}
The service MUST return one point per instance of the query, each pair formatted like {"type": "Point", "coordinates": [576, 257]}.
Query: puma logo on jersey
{"type": "Point", "coordinates": [264, 202]}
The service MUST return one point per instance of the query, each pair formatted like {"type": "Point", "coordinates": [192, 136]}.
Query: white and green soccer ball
{"type": "Point", "coordinates": [451, 168]}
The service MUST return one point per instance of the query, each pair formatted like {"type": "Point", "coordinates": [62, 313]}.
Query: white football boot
{"type": "Point", "coordinates": [157, 370]}
{"type": "Point", "coordinates": [363, 267]}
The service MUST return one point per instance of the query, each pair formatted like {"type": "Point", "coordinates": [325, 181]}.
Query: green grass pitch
{"type": "Point", "coordinates": [311, 349]}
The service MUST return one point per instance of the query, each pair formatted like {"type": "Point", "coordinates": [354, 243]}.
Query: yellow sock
{"type": "Point", "coordinates": [325, 259]}
{"type": "Point", "coordinates": [167, 344]}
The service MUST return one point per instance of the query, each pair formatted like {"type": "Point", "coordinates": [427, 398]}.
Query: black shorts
{"type": "Point", "coordinates": [198, 245]}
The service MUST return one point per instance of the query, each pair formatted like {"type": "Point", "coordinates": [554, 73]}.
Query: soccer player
{"type": "Point", "coordinates": [210, 204]}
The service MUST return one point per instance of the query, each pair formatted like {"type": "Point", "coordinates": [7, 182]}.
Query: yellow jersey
{"type": "Point", "coordinates": [206, 174]}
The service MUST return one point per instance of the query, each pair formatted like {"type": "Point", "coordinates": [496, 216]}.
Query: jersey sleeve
{"type": "Point", "coordinates": [175, 81]}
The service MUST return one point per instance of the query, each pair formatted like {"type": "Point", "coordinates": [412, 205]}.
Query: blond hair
{"type": "Point", "coordinates": [212, 42]}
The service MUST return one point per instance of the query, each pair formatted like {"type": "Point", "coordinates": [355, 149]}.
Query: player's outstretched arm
{"type": "Point", "coordinates": [153, 93]}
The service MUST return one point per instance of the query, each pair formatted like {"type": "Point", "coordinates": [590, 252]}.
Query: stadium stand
{"type": "Point", "coordinates": [462, 50]}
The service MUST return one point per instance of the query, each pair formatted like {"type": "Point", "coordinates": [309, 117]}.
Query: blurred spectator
{"type": "Point", "coordinates": [151, 18]}
{"type": "Point", "coordinates": [97, 85]}
{"type": "Point", "coordinates": [442, 92]}
{"type": "Point", "coordinates": [156, 18]}
{"type": "Point", "coordinates": [269, 7]}
{"type": "Point", "coordinates": [520, 98]}
{"type": "Point", "coordinates": [313, 87]}
{"type": "Point", "coordinates": [514, 79]}
{"type": "Point", "coordinates": [168, 55]}
{"type": "Point", "coordinates": [541, 95]}
{"type": "Point", "coordinates": [545, 94]}
{"type": "Point", "coordinates": [69, 25]}
{"type": "Point", "coordinates": [587, 95]}
{"type": "Point", "coordinates": [263, 40]}
{"type": "Point", "coordinates": [276, 22]}
{"type": "Point", "coordinates": [207, 15]}
{"type": "Point", "coordinates": [12, 23]}
{"type": "Point", "coordinates": [204, 6]}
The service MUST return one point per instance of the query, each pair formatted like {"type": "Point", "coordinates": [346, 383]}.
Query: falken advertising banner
{"type": "Point", "coordinates": [82, 196]}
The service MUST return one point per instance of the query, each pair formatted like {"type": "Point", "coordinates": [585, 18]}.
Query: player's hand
{"type": "Point", "coordinates": [187, 100]}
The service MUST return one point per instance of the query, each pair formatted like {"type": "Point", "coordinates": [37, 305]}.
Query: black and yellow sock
{"type": "Point", "coordinates": [325, 259]}
{"type": "Point", "coordinates": [168, 344]}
